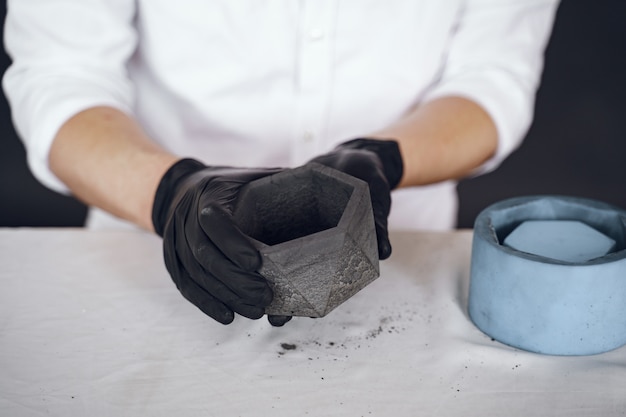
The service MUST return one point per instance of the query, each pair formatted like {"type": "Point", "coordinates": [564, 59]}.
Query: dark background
{"type": "Point", "coordinates": [576, 145]}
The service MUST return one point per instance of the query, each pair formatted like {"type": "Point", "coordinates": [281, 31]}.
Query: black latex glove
{"type": "Point", "coordinates": [213, 264]}
{"type": "Point", "coordinates": [377, 162]}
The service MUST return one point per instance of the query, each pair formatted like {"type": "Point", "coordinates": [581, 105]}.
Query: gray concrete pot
{"type": "Point", "coordinates": [314, 227]}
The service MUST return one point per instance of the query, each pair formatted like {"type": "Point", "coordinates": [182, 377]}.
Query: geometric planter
{"type": "Point", "coordinates": [314, 228]}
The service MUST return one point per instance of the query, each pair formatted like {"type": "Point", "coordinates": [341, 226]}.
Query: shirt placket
{"type": "Point", "coordinates": [313, 78]}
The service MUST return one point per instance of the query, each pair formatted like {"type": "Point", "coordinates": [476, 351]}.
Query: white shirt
{"type": "Point", "coordinates": [274, 82]}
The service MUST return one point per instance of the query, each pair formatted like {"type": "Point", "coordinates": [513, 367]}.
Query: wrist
{"type": "Point", "coordinates": [388, 151]}
{"type": "Point", "coordinates": [166, 190]}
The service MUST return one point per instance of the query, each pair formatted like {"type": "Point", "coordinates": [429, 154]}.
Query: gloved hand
{"type": "Point", "coordinates": [213, 264]}
{"type": "Point", "coordinates": [377, 162]}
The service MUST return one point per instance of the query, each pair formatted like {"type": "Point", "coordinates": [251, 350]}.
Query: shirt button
{"type": "Point", "coordinates": [316, 34]}
{"type": "Point", "coordinates": [307, 136]}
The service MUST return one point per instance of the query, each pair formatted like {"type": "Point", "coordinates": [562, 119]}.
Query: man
{"type": "Point", "coordinates": [109, 95]}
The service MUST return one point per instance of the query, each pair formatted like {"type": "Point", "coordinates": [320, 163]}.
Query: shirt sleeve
{"type": "Point", "coordinates": [67, 56]}
{"type": "Point", "coordinates": [495, 59]}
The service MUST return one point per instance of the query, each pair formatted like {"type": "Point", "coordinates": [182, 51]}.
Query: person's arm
{"type": "Point", "coordinates": [67, 58]}
{"type": "Point", "coordinates": [72, 102]}
{"type": "Point", "coordinates": [107, 161]}
{"type": "Point", "coordinates": [446, 138]}
{"type": "Point", "coordinates": [478, 110]}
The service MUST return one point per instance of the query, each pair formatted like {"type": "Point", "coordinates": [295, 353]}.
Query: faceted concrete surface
{"type": "Point", "coordinates": [565, 240]}
{"type": "Point", "coordinates": [315, 230]}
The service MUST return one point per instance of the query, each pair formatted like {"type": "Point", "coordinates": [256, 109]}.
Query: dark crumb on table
{"type": "Point", "coordinates": [288, 346]}
{"type": "Point", "coordinates": [372, 334]}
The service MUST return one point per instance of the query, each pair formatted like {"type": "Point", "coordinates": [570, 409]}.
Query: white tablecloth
{"type": "Point", "coordinates": [91, 325]}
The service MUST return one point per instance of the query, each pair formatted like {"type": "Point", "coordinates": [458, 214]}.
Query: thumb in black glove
{"type": "Point", "coordinates": [377, 162]}
{"type": "Point", "coordinates": [213, 264]}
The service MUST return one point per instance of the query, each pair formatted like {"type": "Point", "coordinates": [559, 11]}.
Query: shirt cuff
{"type": "Point", "coordinates": [51, 113]}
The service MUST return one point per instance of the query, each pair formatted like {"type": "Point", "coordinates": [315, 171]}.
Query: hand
{"type": "Point", "coordinates": [377, 162]}
{"type": "Point", "coordinates": [213, 264]}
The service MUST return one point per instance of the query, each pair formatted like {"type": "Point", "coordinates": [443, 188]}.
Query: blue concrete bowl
{"type": "Point", "coordinates": [541, 304]}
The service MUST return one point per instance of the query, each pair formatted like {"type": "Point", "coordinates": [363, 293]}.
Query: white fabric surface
{"type": "Point", "coordinates": [90, 325]}
{"type": "Point", "coordinates": [272, 83]}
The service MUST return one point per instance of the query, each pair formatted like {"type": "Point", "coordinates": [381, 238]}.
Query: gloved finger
{"type": "Point", "coordinates": [207, 303]}
{"type": "Point", "coordinates": [218, 290]}
{"type": "Point", "coordinates": [380, 223]}
{"type": "Point", "coordinates": [240, 177]}
{"type": "Point", "coordinates": [381, 206]}
{"type": "Point", "coordinates": [352, 162]}
{"type": "Point", "coordinates": [219, 275]}
{"type": "Point", "coordinates": [382, 239]}
{"type": "Point", "coordinates": [220, 229]}
{"type": "Point", "coordinates": [216, 287]}
{"type": "Point", "coordinates": [278, 321]}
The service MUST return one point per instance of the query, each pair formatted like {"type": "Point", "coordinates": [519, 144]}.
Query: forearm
{"type": "Point", "coordinates": [443, 139]}
{"type": "Point", "coordinates": [107, 161]}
